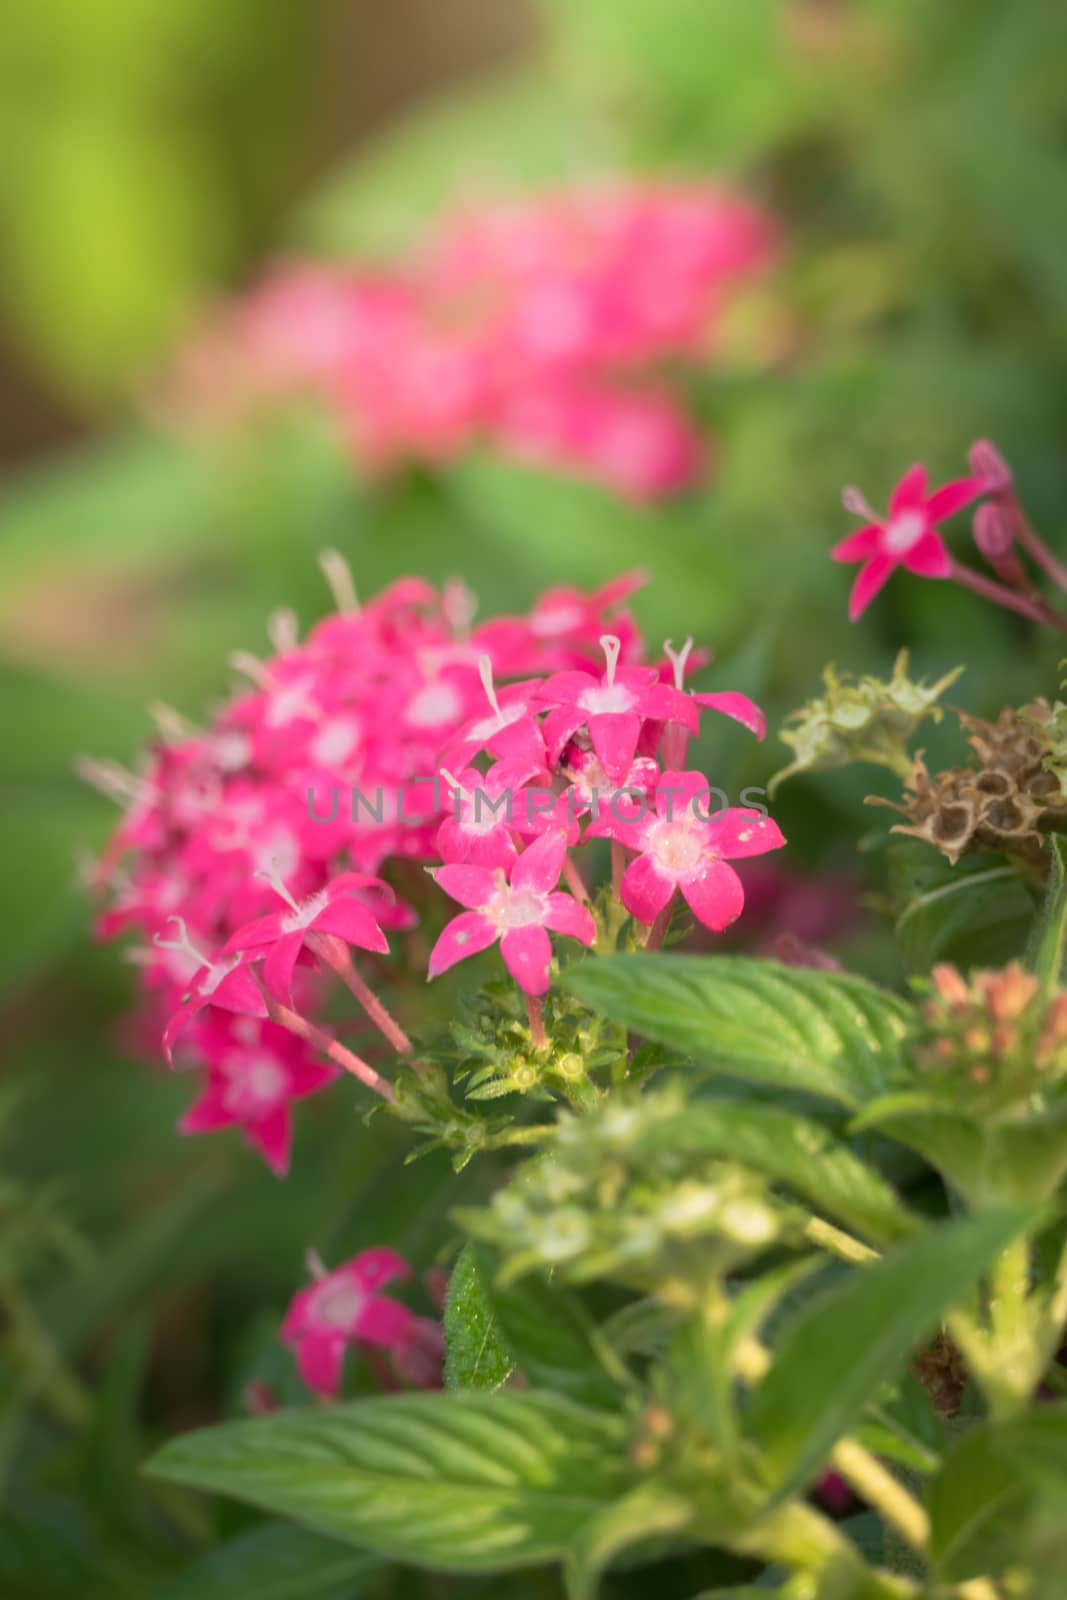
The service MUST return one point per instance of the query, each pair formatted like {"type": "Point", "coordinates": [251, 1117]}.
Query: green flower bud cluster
{"type": "Point", "coordinates": [603, 1202]}
{"type": "Point", "coordinates": [861, 720]}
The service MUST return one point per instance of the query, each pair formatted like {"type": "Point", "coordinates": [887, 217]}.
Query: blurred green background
{"type": "Point", "coordinates": [152, 157]}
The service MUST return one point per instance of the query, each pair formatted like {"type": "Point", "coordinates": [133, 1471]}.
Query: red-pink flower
{"type": "Point", "coordinates": [333, 912]}
{"type": "Point", "coordinates": [251, 1084]}
{"type": "Point", "coordinates": [487, 810]}
{"type": "Point", "coordinates": [613, 707]}
{"type": "Point", "coordinates": [517, 911]}
{"type": "Point", "coordinates": [509, 729]}
{"type": "Point", "coordinates": [906, 537]}
{"type": "Point", "coordinates": [346, 1307]}
{"type": "Point", "coordinates": [683, 844]}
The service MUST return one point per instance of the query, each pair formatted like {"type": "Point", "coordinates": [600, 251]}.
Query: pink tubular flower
{"type": "Point", "coordinates": [487, 809]}
{"type": "Point", "coordinates": [345, 1307]}
{"type": "Point", "coordinates": [331, 913]}
{"type": "Point", "coordinates": [613, 707]}
{"type": "Point", "coordinates": [906, 537]}
{"type": "Point", "coordinates": [255, 1073]}
{"type": "Point", "coordinates": [223, 983]}
{"type": "Point", "coordinates": [517, 912]}
{"type": "Point", "coordinates": [684, 847]}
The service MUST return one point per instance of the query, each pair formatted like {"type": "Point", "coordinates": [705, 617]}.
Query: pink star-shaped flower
{"type": "Point", "coordinates": [517, 912]}
{"type": "Point", "coordinates": [279, 937]}
{"type": "Point", "coordinates": [683, 845]}
{"type": "Point", "coordinates": [345, 1307]}
{"type": "Point", "coordinates": [251, 1085]}
{"type": "Point", "coordinates": [486, 810]}
{"type": "Point", "coordinates": [906, 537]}
{"type": "Point", "coordinates": [613, 707]}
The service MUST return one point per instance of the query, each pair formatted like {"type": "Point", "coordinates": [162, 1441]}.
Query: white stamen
{"type": "Point", "coordinates": [171, 723]}
{"type": "Point", "coordinates": [110, 779]}
{"type": "Point", "coordinates": [283, 629]}
{"type": "Point", "coordinates": [611, 646]}
{"type": "Point", "coordinates": [182, 943]}
{"type": "Point", "coordinates": [485, 672]}
{"type": "Point", "coordinates": [855, 502]}
{"type": "Point", "coordinates": [459, 605]}
{"type": "Point", "coordinates": [252, 667]}
{"type": "Point", "coordinates": [338, 575]}
{"type": "Point", "coordinates": [272, 876]}
{"type": "Point", "coordinates": [678, 659]}
{"type": "Point", "coordinates": [453, 782]}
{"type": "Point", "coordinates": [315, 1265]}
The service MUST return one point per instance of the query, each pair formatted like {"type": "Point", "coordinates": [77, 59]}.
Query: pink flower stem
{"type": "Point", "coordinates": [537, 1022]}
{"type": "Point", "coordinates": [989, 589]}
{"type": "Point", "coordinates": [1036, 547]}
{"type": "Point", "coordinates": [332, 1048]}
{"type": "Point", "coordinates": [618, 866]}
{"type": "Point", "coordinates": [658, 929]}
{"type": "Point", "coordinates": [379, 1014]}
{"type": "Point", "coordinates": [573, 878]}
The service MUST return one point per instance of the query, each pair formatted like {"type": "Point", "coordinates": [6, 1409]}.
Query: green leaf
{"type": "Point", "coordinates": [846, 1345]}
{"type": "Point", "coordinates": [651, 1511]}
{"type": "Point", "coordinates": [1048, 942]}
{"type": "Point", "coordinates": [461, 1482]}
{"type": "Point", "coordinates": [821, 1033]}
{"type": "Point", "coordinates": [475, 1356]}
{"type": "Point", "coordinates": [275, 1561]}
{"type": "Point", "coordinates": [976, 1503]}
{"type": "Point", "coordinates": [796, 1152]}
{"type": "Point", "coordinates": [976, 913]}
{"type": "Point", "coordinates": [550, 1338]}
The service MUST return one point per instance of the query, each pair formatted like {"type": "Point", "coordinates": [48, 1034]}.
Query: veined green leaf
{"type": "Point", "coordinates": [475, 1355]}
{"type": "Point", "coordinates": [461, 1482]}
{"type": "Point", "coordinates": [275, 1561]}
{"type": "Point", "coordinates": [821, 1033]}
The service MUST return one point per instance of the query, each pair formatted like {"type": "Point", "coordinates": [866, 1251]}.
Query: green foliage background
{"type": "Point", "coordinates": [914, 151]}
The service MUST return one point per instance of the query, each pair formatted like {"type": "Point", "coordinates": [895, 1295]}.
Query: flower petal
{"type": "Point", "coordinates": [382, 1321]}
{"type": "Point", "coordinates": [714, 895]}
{"type": "Point", "coordinates": [279, 965]}
{"type": "Point", "coordinates": [319, 1357]}
{"type": "Point", "coordinates": [645, 889]}
{"type": "Point", "coordinates": [374, 1268]}
{"type": "Point", "coordinates": [615, 739]}
{"type": "Point", "coordinates": [539, 866]}
{"type": "Point", "coordinates": [465, 935]}
{"type": "Point", "coordinates": [207, 1113]}
{"type": "Point", "coordinates": [740, 832]}
{"type": "Point", "coordinates": [676, 793]}
{"type": "Point", "coordinates": [952, 497]}
{"type": "Point", "coordinates": [737, 706]}
{"type": "Point", "coordinates": [567, 915]}
{"type": "Point", "coordinates": [928, 558]}
{"type": "Point", "coordinates": [869, 581]}
{"type": "Point", "coordinates": [354, 923]}
{"type": "Point", "coordinates": [527, 953]}
{"type": "Point", "coordinates": [858, 546]}
{"type": "Point", "coordinates": [471, 886]}
{"type": "Point", "coordinates": [910, 492]}
{"type": "Point", "coordinates": [272, 1137]}
{"type": "Point", "coordinates": [559, 728]}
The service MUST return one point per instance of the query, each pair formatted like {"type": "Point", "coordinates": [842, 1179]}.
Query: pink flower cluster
{"type": "Point", "coordinates": [541, 326]}
{"type": "Point", "coordinates": [251, 893]}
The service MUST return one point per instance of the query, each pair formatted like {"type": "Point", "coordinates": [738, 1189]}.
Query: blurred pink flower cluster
{"type": "Point", "coordinates": [541, 326]}
{"type": "Point", "coordinates": [251, 856]}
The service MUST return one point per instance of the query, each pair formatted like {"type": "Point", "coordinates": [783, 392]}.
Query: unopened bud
{"type": "Point", "coordinates": [994, 534]}
{"type": "Point", "coordinates": [987, 463]}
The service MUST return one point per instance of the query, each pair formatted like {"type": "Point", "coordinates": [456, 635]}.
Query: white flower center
{"type": "Point", "coordinates": [338, 1303]}
{"type": "Point", "coordinates": [554, 620]}
{"type": "Point", "coordinates": [677, 847]}
{"type": "Point", "coordinates": [334, 742]}
{"type": "Point", "coordinates": [255, 1087]}
{"type": "Point", "coordinates": [515, 908]}
{"type": "Point", "coordinates": [500, 719]}
{"type": "Point", "coordinates": [607, 700]}
{"type": "Point", "coordinates": [434, 704]}
{"type": "Point", "coordinates": [904, 531]}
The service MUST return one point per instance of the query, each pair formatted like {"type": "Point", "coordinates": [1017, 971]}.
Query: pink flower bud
{"type": "Point", "coordinates": [986, 462]}
{"type": "Point", "coordinates": [993, 532]}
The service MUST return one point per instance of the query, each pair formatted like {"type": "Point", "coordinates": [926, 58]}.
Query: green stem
{"type": "Point", "coordinates": [838, 1242]}
{"type": "Point", "coordinates": [882, 1492]}
{"type": "Point", "coordinates": [48, 1376]}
